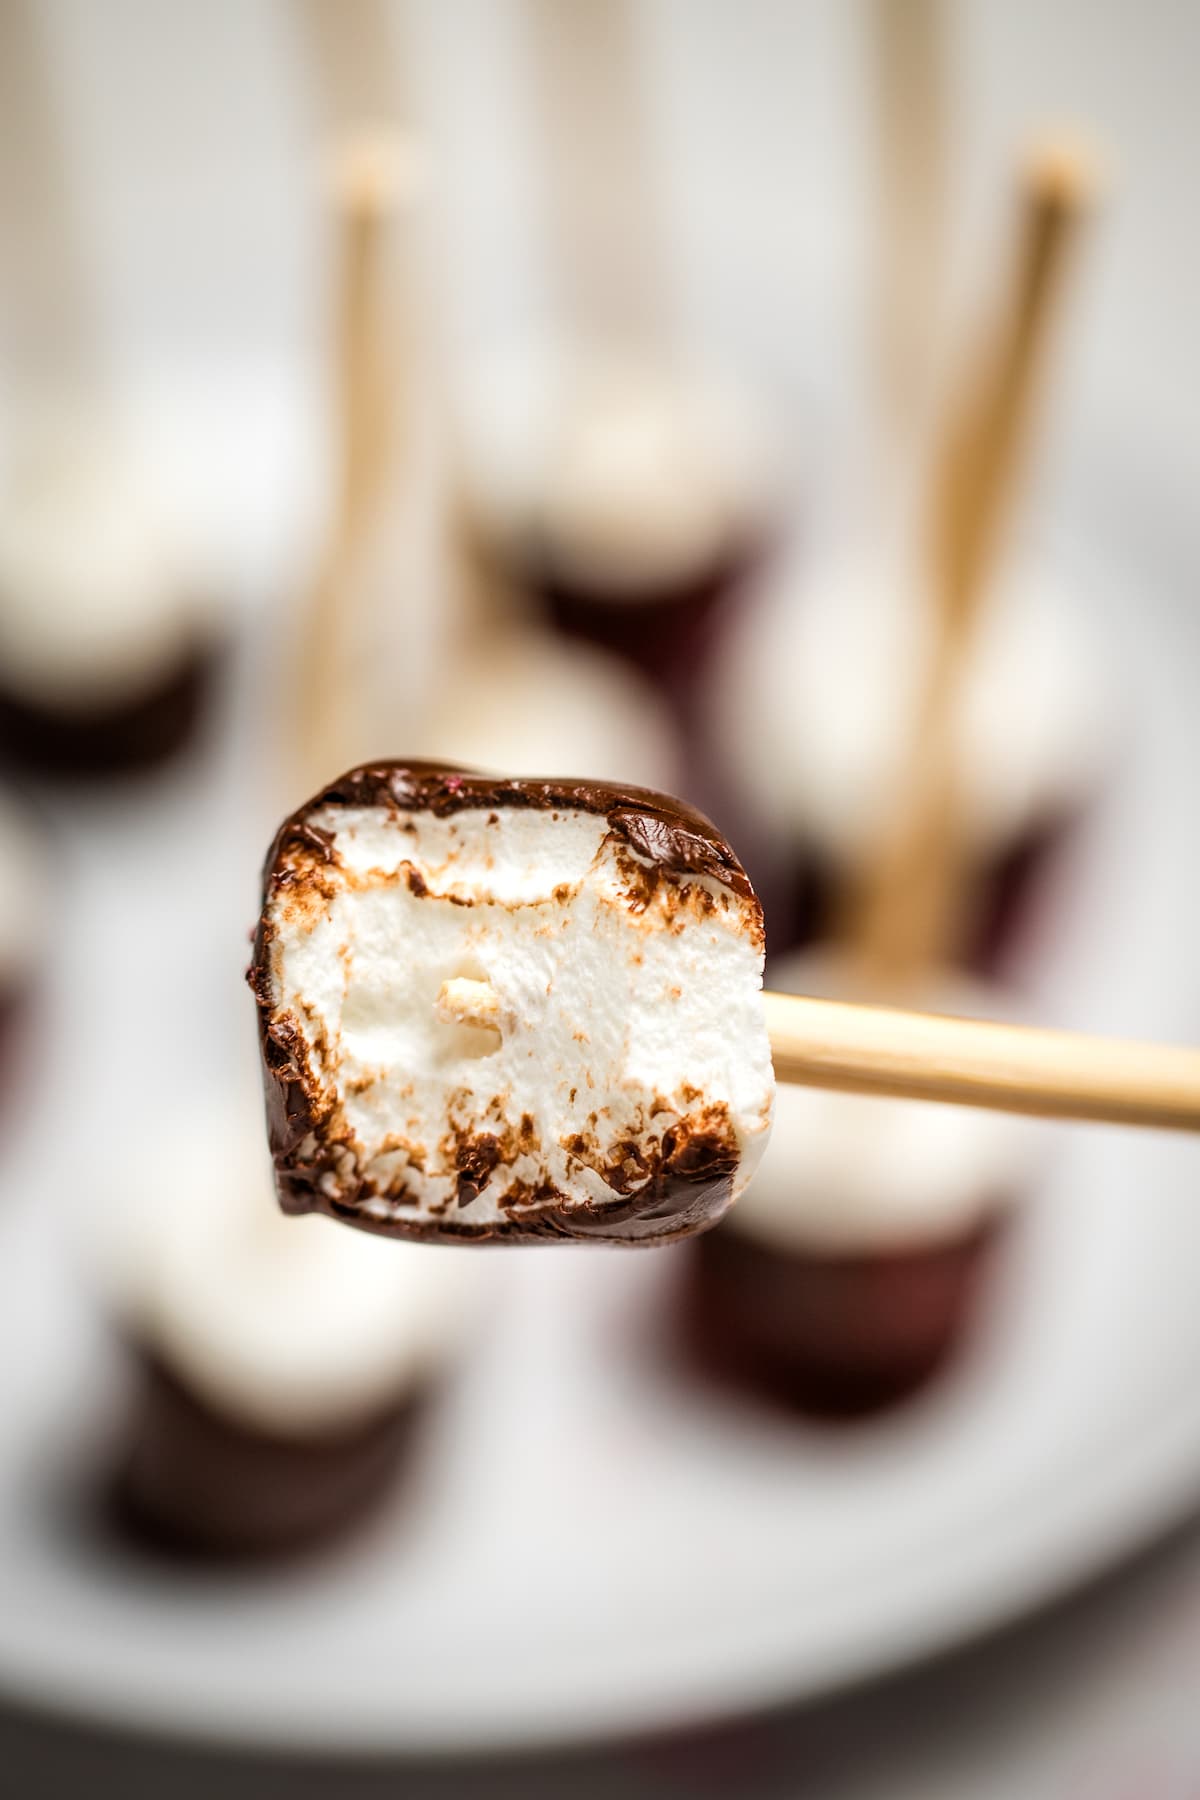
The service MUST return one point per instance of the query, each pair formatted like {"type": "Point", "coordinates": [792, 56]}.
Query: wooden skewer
{"type": "Point", "coordinates": [605, 238]}
{"type": "Point", "coordinates": [49, 310]}
{"type": "Point", "coordinates": [905, 917]}
{"type": "Point", "coordinates": [982, 458]}
{"type": "Point", "coordinates": [357, 62]}
{"type": "Point", "coordinates": [1008, 1068]}
{"type": "Point", "coordinates": [370, 174]}
{"type": "Point", "coordinates": [908, 39]}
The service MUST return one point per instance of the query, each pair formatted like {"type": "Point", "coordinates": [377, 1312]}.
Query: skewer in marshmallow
{"type": "Point", "coordinates": [500, 1008]}
{"type": "Point", "coordinates": [910, 55]}
{"type": "Point", "coordinates": [372, 177]}
{"type": "Point", "coordinates": [408, 620]}
{"type": "Point", "coordinates": [912, 897]}
{"type": "Point", "coordinates": [915, 738]}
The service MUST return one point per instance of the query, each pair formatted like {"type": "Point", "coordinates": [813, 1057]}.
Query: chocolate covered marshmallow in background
{"type": "Point", "coordinates": [107, 637]}
{"type": "Point", "coordinates": [614, 478]}
{"type": "Point", "coordinates": [108, 641]}
{"type": "Point", "coordinates": [923, 748]}
{"type": "Point", "coordinates": [632, 506]}
{"type": "Point", "coordinates": [856, 1265]}
{"type": "Point", "coordinates": [281, 1365]}
{"type": "Point", "coordinates": [504, 1009]}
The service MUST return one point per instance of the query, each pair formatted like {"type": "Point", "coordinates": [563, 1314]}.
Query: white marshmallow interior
{"type": "Point", "coordinates": [616, 1022]}
{"type": "Point", "coordinates": [820, 697]}
{"type": "Point", "coordinates": [291, 1325]}
{"type": "Point", "coordinates": [845, 1173]}
{"type": "Point", "coordinates": [94, 600]}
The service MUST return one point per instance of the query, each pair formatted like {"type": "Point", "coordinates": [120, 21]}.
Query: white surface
{"type": "Point", "coordinates": [617, 1020]}
{"type": "Point", "coordinates": [596, 1544]}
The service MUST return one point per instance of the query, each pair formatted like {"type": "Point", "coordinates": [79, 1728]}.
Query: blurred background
{"type": "Point", "coordinates": [789, 405]}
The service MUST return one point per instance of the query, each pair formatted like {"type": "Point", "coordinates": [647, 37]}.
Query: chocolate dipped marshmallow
{"type": "Point", "coordinates": [509, 1009]}
{"type": "Point", "coordinates": [855, 1264]}
{"type": "Point", "coordinates": [281, 1365]}
{"type": "Point", "coordinates": [815, 709]}
{"type": "Point", "coordinates": [632, 501]}
{"type": "Point", "coordinates": [107, 646]}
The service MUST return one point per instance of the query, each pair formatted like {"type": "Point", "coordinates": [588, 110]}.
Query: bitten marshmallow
{"type": "Point", "coordinates": [497, 1008]}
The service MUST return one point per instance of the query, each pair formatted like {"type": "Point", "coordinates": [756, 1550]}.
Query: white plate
{"type": "Point", "coordinates": [596, 1544]}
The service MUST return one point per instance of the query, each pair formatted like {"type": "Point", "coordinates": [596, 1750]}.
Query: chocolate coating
{"type": "Point", "coordinates": [197, 1484]}
{"type": "Point", "coordinates": [1007, 886]}
{"type": "Point", "coordinates": [130, 735]}
{"type": "Point", "coordinates": [834, 1336]}
{"type": "Point", "coordinates": [668, 630]}
{"type": "Point", "coordinates": [690, 1183]}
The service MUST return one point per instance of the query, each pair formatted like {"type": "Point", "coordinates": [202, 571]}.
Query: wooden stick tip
{"type": "Point", "coordinates": [1063, 169]}
{"type": "Point", "coordinates": [375, 168]}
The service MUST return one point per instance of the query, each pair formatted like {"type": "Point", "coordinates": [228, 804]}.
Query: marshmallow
{"type": "Point", "coordinates": [95, 604]}
{"type": "Point", "coordinates": [508, 1008]}
{"type": "Point", "coordinates": [622, 474]}
{"type": "Point", "coordinates": [294, 1333]}
{"type": "Point", "coordinates": [650, 479]}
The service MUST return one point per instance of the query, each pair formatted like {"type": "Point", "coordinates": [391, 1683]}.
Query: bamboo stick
{"type": "Point", "coordinates": [906, 916]}
{"type": "Point", "coordinates": [1008, 1068]}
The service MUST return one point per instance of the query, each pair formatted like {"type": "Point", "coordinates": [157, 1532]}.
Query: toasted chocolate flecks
{"type": "Point", "coordinates": [495, 1009]}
